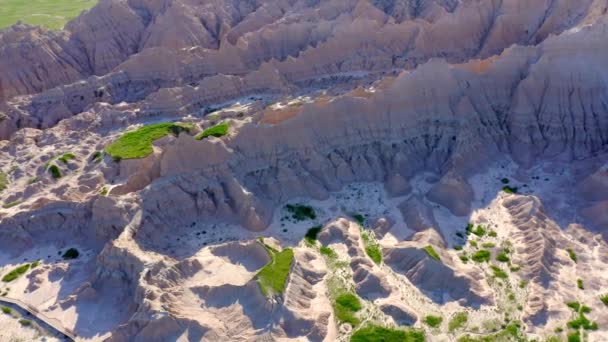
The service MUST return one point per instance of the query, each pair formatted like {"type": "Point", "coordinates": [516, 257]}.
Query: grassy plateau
{"type": "Point", "coordinates": [52, 14]}
{"type": "Point", "coordinates": [138, 143]}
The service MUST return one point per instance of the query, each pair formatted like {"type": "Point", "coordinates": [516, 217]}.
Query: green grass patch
{"type": "Point", "coordinates": [503, 257]}
{"type": "Point", "coordinates": [16, 273]}
{"type": "Point", "coordinates": [432, 253]}
{"type": "Point", "coordinates": [11, 204]}
{"type": "Point", "coordinates": [138, 143]}
{"type": "Point", "coordinates": [273, 277]}
{"type": "Point", "coordinates": [66, 158]}
{"type": "Point", "coordinates": [481, 255]}
{"type": "Point", "coordinates": [458, 321]}
{"type": "Point", "coordinates": [25, 322]}
{"type": "Point", "coordinates": [574, 337]}
{"type": "Point", "coordinates": [71, 253]}
{"type": "Point", "coordinates": [381, 334]}
{"type": "Point", "coordinates": [433, 321]}
{"type": "Point", "coordinates": [3, 181]}
{"type": "Point", "coordinates": [52, 14]}
{"type": "Point", "coordinates": [346, 306]}
{"type": "Point", "coordinates": [488, 245]}
{"type": "Point", "coordinates": [301, 212]}
{"type": "Point", "coordinates": [54, 170]}
{"type": "Point", "coordinates": [35, 264]}
{"type": "Point", "coordinates": [6, 310]}
{"type": "Point", "coordinates": [498, 272]}
{"type": "Point", "coordinates": [572, 254]}
{"type": "Point", "coordinates": [580, 321]}
{"type": "Point", "coordinates": [214, 131]}
{"type": "Point", "coordinates": [492, 233]}
{"type": "Point", "coordinates": [328, 252]}
{"type": "Point", "coordinates": [372, 249]}
{"type": "Point", "coordinates": [311, 234]}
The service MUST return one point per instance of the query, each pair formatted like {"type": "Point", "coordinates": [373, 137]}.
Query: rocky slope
{"type": "Point", "coordinates": [413, 113]}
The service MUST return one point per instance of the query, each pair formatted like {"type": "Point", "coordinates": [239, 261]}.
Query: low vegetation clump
{"type": "Point", "coordinates": [214, 131]}
{"type": "Point", "coordinates": [3, 181]}
{"type": "Point", "coordinates": [580, 284]}
{"type": "Point", "coordinates": [66, 158]}
{"type": "Point", "coordinates": [360, 219]}
{"type": "Point", "coordinates": [604, 299]}
{"type": "Point", "coordinates": [25, 322]}
{"type": "Point", "coordinates": [372, 249]}
{"type": "Point", "coordinates": [328, 252]}
{"type": "Point", "coordinates": [432, 253]}
{"type": "Point", "coordinates": [503, 257]}
{"type": "Point", "coordinates": [492, 233]}
{"type": "Point", "coordinates": [54, 170]}
{"type": "Point", "coordinates": [381, 334]}
{"type": "Point", "coordinates": [311, 234]}
{"type": "Point", "coordinates": [458, 321]}
{"type": "Point", "coordinates": [11, 204]}
{"type": "Point", "coordinates": [71, 253]}
{"type": "Point", "coordinates": [6, 310]}
{"type": "Point", "coordinates": [581, 321]}
{"type": "Point", "coordinates": [301, 212]}
{"type": "Point", "coordinates": [35, 264]}
{"type": "Point", "coordinates": [571, 254]}
{"type": "Point", "coordinates": [498, 272]}
{"type": "Point", "coordinates": [346, 306]}
{"type": "Point", "coordinates": [488, 245]}
{"type": "Point", "coordinates": [509, 190]}
{"type": "Point", "coordinates": [16, 273]}
{"type": "Point", "coordinates": [433, 321]}
{"type": "Point", "coordinates": [273, 277]}
{"type": "Point", "coordinates": [510, 332]}
{"type": "Point", "coordinates": [480, 231]}
{"type": "Point", "coordinates": [469, 228]}
{"type": "Point", "coordinates": [138, 143]}
{"type": "Point", "coordinates": [505, 181]}
{"type": "Point", "coordinates": [103, 191]}
{"type": "Point", "coordinates": [481, 255]}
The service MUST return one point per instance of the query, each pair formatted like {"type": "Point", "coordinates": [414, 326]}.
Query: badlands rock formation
{"type": "Point", "coordinates": [397, 122]}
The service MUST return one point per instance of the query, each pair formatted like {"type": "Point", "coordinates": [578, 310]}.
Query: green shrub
{"type": "Point", "coordinates": [515, 268]}
{"type": "Point", "coordinates": [25, 322]}
{"type": "Point", "coordinates": [488, 245]}
{"type": "Point", "coordinates": [498, 272]}
{"type": "Point", "coordinates": [328, 252]}
{"type": "Point", "coordinates": [576, 306]}
{"type": "Point", "coordinates": [311, 234]}
{"type": "Point", "coordinates": [458, 321]}
{"type": "Point", "coordinates": [346, 306]}
{"type": "Point", "coordinates": [480, 231]}
{"type": "Point", "coordinates": [54, 170]}
{"type": "Point", "coordinates": [360, 219]}
{"type": "Point", "coordinates": [6, 310]}
{"type": "Point", "coordinates": [604, 299]}
{"type": "Point", "coordinates": [481, 255]}
{"type": "Point", "coordinates": [301, 212]}
{"type": "Point", "coordinates": [3, 181]}
{"type": "Point", "coordinates": [469, 228]}
{"type": "Point", "coordinates": [382, 334]}
{"type": "Point", "coordinates": [580, 284]}
{"type": "Point", "coordinates": [492, 233]}
{"type": "Point", "coordinates": [11, 204]}
{"type": "Point", "coordinates": [458, 248]}
{"type": "Point", "coordinates": [464, 258]}
{"type": "Point", "coordinates": [503, 257]}
{"type": "Point", "coordinates": [432, 253]}
{"type": "Point", "coordinates": [66, 158]}
{"type": "Point", "coordinates": [509, 190]}
{"type": "Point", "coordinates": [433, 321]}
{"type": "Point", "coordinates": [473, 243]}
{"type": "Point", "coordinates": [214, 131]}
{"type": "Point", "coordinates": [505, 181]}
{"type": "Point", "coordinates": [572, 254]}
{"type": "Point", "coordinates": [372, 249]}
{"type": "Point", "coordinates": [138, 143]}
{"type": "Point", "coordinates": [16, 273]}
{"type": "Point", "coordinates": [273, 277]}
{"type": "Point", "coordinates": [71, 253]}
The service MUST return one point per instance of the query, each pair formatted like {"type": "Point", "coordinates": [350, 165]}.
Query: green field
{"type": "Point", "coordinates": [52, 14]}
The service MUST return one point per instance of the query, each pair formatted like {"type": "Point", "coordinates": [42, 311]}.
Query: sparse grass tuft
{"type": "Point", "coordinates": [3, 181]}
{"type": "Point", "coordinates": [433, 321]}
{"type": "Point", "coordinates": [509, 190]}
{"type": "Point", "coordinates": [214, 131]}
{"type": "Point", "coordinates": [25, 322]}
{"type": "Point", "coordinates": [492, 233]}
{"type": "Point", "coordinates": [66, 158]}
{"type": "Point", "coordinates": [432, 253]}
{"type": "Point", "coordinates": [16, 273]}
{"type": "Point", "coordinates": [6, 310]}
{"type": "Point", "coordinates": [71, 253]}
{"type": "Point", "coordinates": [97, 157]}
{"type": "Point", "coordinates": [604, 299]}
{"type": "Point", "coordinates": [458, 321]}
{"type": "Point", "coordinates": [372, 249]}
{"type": "Point", "coordinates": [481, 255]}
{"type": "Point", "coordinates": [103, 191]}
{"type": "Point", "coordinates": [503, 257]}
{"type": "Point", "coordinates": [498, 272]}
{"type": "Point", "coordinates": [480, 231]}
{"type": "Point", "coordinates": [580, 284]}
{"type": "Point", "coordinates": [382, 334]}
{"type": "Point", "coordinates": [11, 204]}
{"type": "Point", "coordinates": [346, 306]}
{"type": "Point", "coordinates": [138, 143]}
{"type": "Point", "coordinates": [301, 212]}
{"type": "Point", "coordinates": [572, 254]}
{"type": "Point", "coordinates": [328, 252]}
{"type": "Point", "coordinates": [35, 264]}
{"type": "Point", "coordinates": [273, 277]}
